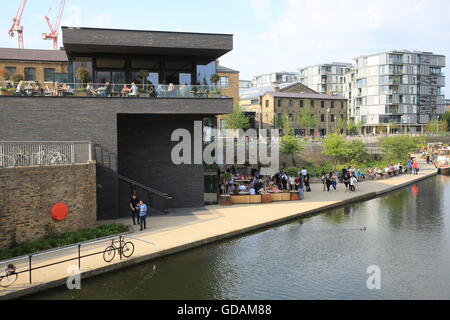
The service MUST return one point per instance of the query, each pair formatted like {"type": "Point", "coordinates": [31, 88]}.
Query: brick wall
{"type": "Point", "coordinates": [27, 195]}
{"type": "Point", "coordinates": [60, 67]}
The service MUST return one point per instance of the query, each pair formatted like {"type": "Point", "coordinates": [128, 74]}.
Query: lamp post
{"type": "Point", "coordinates": [437, 124]}
{"type": "Point", "coordinates": [328, 115]}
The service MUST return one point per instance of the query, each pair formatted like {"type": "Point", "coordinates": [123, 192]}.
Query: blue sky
{"type": "Point", "coordinates": [270, 35]}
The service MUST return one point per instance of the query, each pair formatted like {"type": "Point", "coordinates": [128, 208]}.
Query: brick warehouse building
{"type": "Point", "coordinates": [34, 65]}
{"type": "Point", "coordinates": [132, 135]}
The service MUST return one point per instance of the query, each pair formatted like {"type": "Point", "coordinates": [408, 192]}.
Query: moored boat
{"type": "Point", "coordinates": [442, 161]}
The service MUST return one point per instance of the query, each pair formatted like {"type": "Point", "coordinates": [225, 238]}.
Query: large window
{"type": "Point", "coordinates": [30, 74]}
{"type": "Point", "coordinates": [11, 70]}
{"type": "Point", "coordinates": [49, 74]}
{"type": "Point", "coordinates": [204, 73]}
{"type": "Point", "coordinates": [223, 82]}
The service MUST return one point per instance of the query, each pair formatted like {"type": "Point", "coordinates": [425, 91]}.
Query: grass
{"type": "Point", "coordinates": [65, 239]}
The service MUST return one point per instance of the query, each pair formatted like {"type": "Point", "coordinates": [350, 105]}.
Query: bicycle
{"type": "Point", "coordinates": [125, 249]}
{"type": "Point", "coordinates": [9, 277]}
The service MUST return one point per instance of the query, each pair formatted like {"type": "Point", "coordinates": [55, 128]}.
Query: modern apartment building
{"type": "Point", "coordinates": [396, 87]}
{"type": "Point", "coordinates": [267, 79]}
{"type": "Point", "coordinates": [325, 78]}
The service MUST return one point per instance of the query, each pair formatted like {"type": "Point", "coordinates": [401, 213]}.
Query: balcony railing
{"type": "Point", "coordinates": [108, 90]}
{"type": "Point", "coordinates": [37, 153]}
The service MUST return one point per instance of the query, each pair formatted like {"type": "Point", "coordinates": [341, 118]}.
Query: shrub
{"type": "Point", "coordinates": [65, 239]}
{"type": "Point", "coordinates": [292, 172]}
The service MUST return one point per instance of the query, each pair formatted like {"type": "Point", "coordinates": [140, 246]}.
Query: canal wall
{"type": "Point", "coordinates": [182, 231]}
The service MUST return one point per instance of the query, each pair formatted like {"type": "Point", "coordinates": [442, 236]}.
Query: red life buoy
{"type": "Point", "coordinates": [59, 211]}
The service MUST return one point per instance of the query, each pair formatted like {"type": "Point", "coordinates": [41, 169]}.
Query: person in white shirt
{"type": "Point", "coordinates": [353, 182]}
{"type": "Point", "coordinates": [242, 188]}
{"type": "Point", "coordinates": [252, 191]}
{"type": "Point", "coordinates": [134, 90]}
{"type": "Point", "coordinates": [304, 172]}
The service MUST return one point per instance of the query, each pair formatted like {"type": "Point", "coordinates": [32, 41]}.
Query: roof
{"type": "Point", "coordinates": [223, 69]}
{"type": "Point", "coordinates": [33, 55]}
{"type": "Point", "coordinates": [256, 92]}
{"type": "Point", "coordinates": [142, 42]}
{"type": "Point", "coordinates": [319, 96]}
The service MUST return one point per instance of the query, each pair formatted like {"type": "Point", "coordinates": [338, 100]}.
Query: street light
{"type": "Point", "coordinates": [437, 125]}
{"type": "Point", "coordinates": [328, 115]}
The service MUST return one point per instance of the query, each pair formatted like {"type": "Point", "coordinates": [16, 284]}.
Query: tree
{"type": "Point", "coordinates": [335, 146]}
{"type": "Point", "coordinates": [287, 126]}
{"type": "Point", "coordinates": [215, 78]}
{"type": "Point", "coordinates": [237, 119]}
{"type": "Point", "coordinates": [307, 120]}
{"type": "Point", "coordinates": [446, 117]}
{"type": "Point", "coordinates": [144, 75]}
{"type": "Point", "coordinates": [278, 124]}
{"type": "Point", "coordinates": [355, 151]}
{"type": "Point", "coordinates": [353, 127]}
{"type": "Point", "coordinates": [82, 75]}
{"type": "Point", "coordinates": [398, 148]}
{"type": "Point", "coordinates": [434, 126]}
{"type": "Point", "coordinates": [290, 145]}
{"type": "Point", "coordinates": [340, 125]}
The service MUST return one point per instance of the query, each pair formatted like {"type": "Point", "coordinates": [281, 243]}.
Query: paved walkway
{"type": "Point", "coordinates": [188, 228]}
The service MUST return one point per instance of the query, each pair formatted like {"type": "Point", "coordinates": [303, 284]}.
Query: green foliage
{"type": "Point", "coordinates": [287, 126]}
{"type": "Point", "coordinates": [290, 145]}
{"type": "Point", "coordinates": [237, 119]}
{"type": "Point", "coordinates": [435, 126]}
{"type": "Point", "coordinates": [356, 152]}
{"type": "Point", "coordinates": [278, 122]}
{"type": "Point", "coordinates": [397, 148]}
{"type": "Point", "coordinates": [350, 151]}
{"type": "Point", "coordinates": [292, 172]}
{"type": "Point", "coordinates": [353, 128]}
{"type": "Point", "coordinates": [335, 146]}
{"type": "Point", "coordinates": [65, 239]}
{"type": "Point", "coordinates": [306, 119]}
{"type": "Point", "coordinates": [215, 78]}
{"type": "Point", "coordinates": [226, 176]}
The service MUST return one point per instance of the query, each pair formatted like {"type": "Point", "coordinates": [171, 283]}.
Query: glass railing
{"type": "Point", "coordinates": [111, 90]}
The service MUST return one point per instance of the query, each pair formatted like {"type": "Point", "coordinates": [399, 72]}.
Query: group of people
{"type": "Point", "coordinates": [36, 89]}
{"type": "Point", "coordinates": [139, 211]}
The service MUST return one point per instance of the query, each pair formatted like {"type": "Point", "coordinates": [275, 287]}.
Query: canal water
{"type": "Point", "coordinates": [320, 257]}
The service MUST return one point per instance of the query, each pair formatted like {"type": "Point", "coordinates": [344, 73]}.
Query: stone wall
{"type": "Point", "coordinates": [40, 66]}
{"type": "Point", "coordinates": [27, 195]}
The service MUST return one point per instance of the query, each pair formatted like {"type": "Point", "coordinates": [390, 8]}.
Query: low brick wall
{"type": "Point", "coordinates": [27, 195]}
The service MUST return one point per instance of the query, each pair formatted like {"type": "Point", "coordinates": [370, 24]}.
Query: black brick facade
{"type": "Point", "coordinates": [116, 126]}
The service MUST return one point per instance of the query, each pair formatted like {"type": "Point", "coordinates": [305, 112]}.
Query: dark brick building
{"type": "Point", "coordinates": [132, 136]}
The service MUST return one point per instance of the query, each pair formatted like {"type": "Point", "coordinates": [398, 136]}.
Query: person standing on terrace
{"type": "Point", "coordinates": [134, 90]}
{"type": "Point", "coordinates": [20, 88]}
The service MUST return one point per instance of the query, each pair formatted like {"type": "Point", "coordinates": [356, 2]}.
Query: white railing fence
{"type": "Point", "coordinates": [36, 153]}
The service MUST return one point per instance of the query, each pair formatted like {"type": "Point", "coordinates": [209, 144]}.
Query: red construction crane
{"type": "Point", "coordinates": [53, 35]}
{"type": "Point", "coordinates": [16, 27]}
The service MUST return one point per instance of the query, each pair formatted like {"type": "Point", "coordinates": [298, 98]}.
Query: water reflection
{"type": "Point", "coordinates": [320, 257]}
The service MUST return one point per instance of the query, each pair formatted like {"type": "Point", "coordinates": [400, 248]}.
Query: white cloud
{"type": "Point", "coordinates": [305, 32]}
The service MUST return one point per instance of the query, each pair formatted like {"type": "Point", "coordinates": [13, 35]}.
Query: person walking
{"type": "Point", "coordinates": [415, 166]}
{"type": "Point", "coordinates": [334, 180]}
{"type": "Point", "coordinates": [307, 183]}
{"type": "Point", "coordinates": [409, 166]}
{"type": "Point", "coordinates": [347, 181]}
{"type": "Point", "coordinates": [300, 187]}
{"type": "Point", "coordinates": [143, 215]}
{"type": "Point", "coordinates": [134, 206]}
{"type": "Point", "coordinates": [353, 182]}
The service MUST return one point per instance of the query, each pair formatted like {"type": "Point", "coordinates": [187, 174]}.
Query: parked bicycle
{"type": "Point", "coordinates": [9, 277]}
{"type": "Point", "coordinates": [125, 249]}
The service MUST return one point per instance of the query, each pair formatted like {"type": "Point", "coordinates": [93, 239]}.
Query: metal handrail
{"type": "Point", "coordinates": [142, 186]}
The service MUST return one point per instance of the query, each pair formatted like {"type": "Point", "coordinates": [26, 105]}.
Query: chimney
{"type": "Point", "coordinates": [276, 86]}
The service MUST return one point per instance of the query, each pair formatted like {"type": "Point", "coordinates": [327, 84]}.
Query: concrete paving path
{"type": "Point", "coordinates": [187, 228]}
